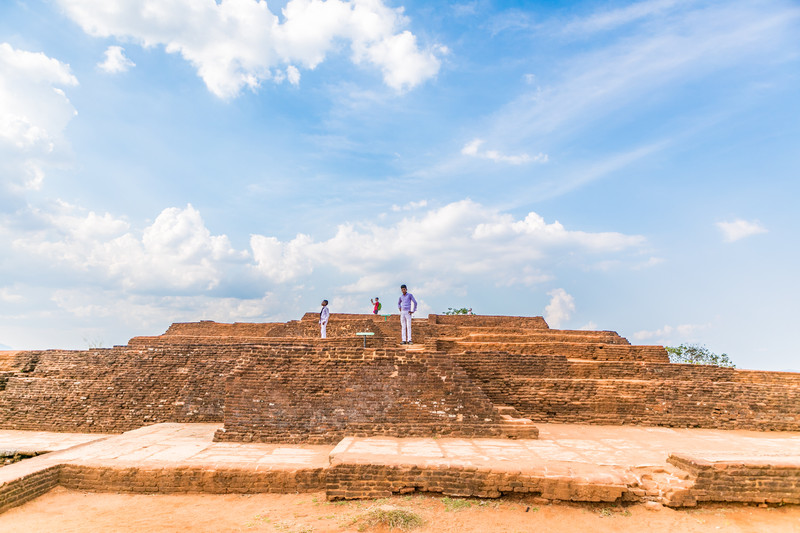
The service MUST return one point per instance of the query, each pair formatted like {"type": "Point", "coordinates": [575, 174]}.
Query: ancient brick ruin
{"type": "Point", "coordinates": [465, 376]}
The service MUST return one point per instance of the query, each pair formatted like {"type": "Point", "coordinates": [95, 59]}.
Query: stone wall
{"type": "Point", "coordinates": [555, 389]}
{"type": "Point", "coordinates": [320, 394]}
{"type": "Point", "coordinates": [746, 479]}
{"type": "Point", "coordinates": [117, 389]}
{"type": "Point", "coordinates": [460, 366]}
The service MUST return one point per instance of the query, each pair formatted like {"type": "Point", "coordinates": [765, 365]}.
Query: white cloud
{"type": "Point", "coordinates": [655, 47]}
{"type": "Point", "coordinates": [459, 239]}
{"type": "Point", "coordinates": [293, 75]}
{"type": "Point", "coordinates": [560, 308]}
{"type": "Point", "coordinates": [116, 61]}
{"type": "Point", "coordinates": [282, 261]}
{"type": "Point", "coordinates": [34, 112]}
{"type": "Point", "coordinates": [7, 295]}
{"type": "Point", "coordinates": [590, 326]}
{"type": "Point", "coordinates": [739, 229]}
{"type": "Point", "coordinates": [671, 334]}
{"type": "Point", "coordinates": [111, 272]}
{"type": "Point", "coordinates": [240, 43]}
{"type": "Point", "coordinates": [472, 148]}
{"type": "Point", "coordinates": [410, 206]}
{"type": "Point", "coordinates": [147, 310]}
{"type": "Point", "coordinates": [613, 18]}
{"type": "Point", "coordinates": [176, 252]}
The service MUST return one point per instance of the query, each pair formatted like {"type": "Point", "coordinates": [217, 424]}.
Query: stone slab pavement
{"type": "Point", "coordinates": [32, 442]}
{"type": "Point", "coordinates": [603, 454]}
{"type": "Point", "coordinates": [558, 444]}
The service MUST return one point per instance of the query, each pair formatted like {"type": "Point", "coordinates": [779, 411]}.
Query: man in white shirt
{"type": "Point", "coordinates": [404, 304]}
{"type": "Point", "coordinates": [324, 315]}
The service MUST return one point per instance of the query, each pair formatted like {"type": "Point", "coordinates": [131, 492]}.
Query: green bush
{"type": "Point", "coordinates": [697, 354]}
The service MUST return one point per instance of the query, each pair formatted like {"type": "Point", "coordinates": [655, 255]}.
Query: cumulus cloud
{"type": "Point", "coordinates": [114, 271]}
{"type": "Point", "coordinates": [34, 111]}
{"type": "Point", "coordinates": [116, 61]}
{"type": "Point", "coordinates": [459, 239]}
{"type": "Point", "coordinates": [176, 252]}
{"type": "Point", "coordinates": [240, 43]}
{"type": "Point", "coordinates": [560, 308]}
{"type": "Point", "coordinates": [472, 148]}
{"type": "Point", "coordinates": [739, 229]}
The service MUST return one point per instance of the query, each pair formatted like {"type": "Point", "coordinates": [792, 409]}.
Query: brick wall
{"type": "Point", "coordinates": [321, 394]}
{"type": "Point", "coordinates": [117, 389]}
{"type": "Point", "coordinates": [28, 487]}
{"type": "Point", "coordinates": [752, 479]}
{"type": "Point", "coordinates": [353, 480]}
{"type": "Point", "coordinates": [219, 480]}
{"type": "Point", "coordinates": [555, 389]}
{"type": "Point", "coordinates": [547, 375]}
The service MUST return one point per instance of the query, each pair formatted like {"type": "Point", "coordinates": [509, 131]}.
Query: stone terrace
{"type": "Point", "coordinates": [464, 376]}
{"type": "Point", "coordinates": [261, 407]}
{"type": "Point", "coordinates": [677, 467]}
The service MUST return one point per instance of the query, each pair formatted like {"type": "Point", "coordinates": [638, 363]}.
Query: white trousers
{"type": "Point", "coordinates": [323, 330]}
{"type": "Point", "coordinates": [405, 325]}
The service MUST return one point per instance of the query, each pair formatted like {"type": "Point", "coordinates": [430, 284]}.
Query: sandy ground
{"type": "Point", "coordinates": [74, 511]}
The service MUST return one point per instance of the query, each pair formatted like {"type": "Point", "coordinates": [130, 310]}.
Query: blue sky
{"type": "Point", "coordinates": [630, 166]}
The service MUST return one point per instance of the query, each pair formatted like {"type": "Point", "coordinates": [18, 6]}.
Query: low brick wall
{"type": "Point", "coordinates": [28, 487]}
{"type": "Point", "coordinates": [353, 481]}
{"type": "Point", "coordinates": [321, 394]}
{"type": "Point", "coordinates": [752, 480]}
{"type": "Point", "coordinates": [194, 479]}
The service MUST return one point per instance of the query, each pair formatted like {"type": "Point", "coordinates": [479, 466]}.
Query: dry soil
{"type": "Point", "coordinates": [74, 511]}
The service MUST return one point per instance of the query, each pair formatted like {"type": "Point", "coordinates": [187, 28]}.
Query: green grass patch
{"type": "Point", "coordinates": [455, 504]}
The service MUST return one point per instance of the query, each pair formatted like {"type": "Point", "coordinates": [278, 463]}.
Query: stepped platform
{"type": "Point", "coordinates": [213, 407]}
{"type": "Point", "coordinates": [676, 467]}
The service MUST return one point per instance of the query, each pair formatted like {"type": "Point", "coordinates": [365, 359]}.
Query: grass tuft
{"type": "Point", "coordinates": [455, 504]}
{"type": "Point", "coordinates": [391, 517]}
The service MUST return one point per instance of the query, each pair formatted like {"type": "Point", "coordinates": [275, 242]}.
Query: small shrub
{"type": "Point", "coordinates": [391, 517]}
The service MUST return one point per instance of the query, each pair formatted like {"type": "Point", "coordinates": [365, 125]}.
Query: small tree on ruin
{"type": "Point", "coordinates": [697, 354]}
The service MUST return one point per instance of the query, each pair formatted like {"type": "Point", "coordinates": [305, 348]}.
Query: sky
{"type": "Point", "coordinates": [625, 166]}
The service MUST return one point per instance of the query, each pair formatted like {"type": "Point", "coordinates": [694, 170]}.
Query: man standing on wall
{"type": "Point", "coordinates": [324, 315]}
{"type": "Point", "coordinates": [404, 305]}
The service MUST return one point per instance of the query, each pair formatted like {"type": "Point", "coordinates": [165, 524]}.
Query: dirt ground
{"type": "Point", "coordinates": [74, 511]}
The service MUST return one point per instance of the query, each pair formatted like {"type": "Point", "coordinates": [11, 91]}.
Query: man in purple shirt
{"type": "Point", "coordinates": [406, 310]}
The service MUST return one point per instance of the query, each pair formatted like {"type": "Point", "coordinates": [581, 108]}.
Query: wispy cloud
{"type": "Point", "coordinates": [671, 334]}
{"type": "Point", "coordinates": [632, 74]}
{"type": "Point", "coordinates": [472, 149]}
{"type": "Point", "coordinates": [614, 18]}
{"type": "Point", "coordinates": [739, 229]}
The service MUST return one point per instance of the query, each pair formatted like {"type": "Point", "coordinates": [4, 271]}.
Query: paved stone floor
{"type": "Point", "coordinates": [30, 442]}
{"type": "Point", "coordinates": [558, 444]}
{"type": "Point", "coordinates": [603, 454]}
